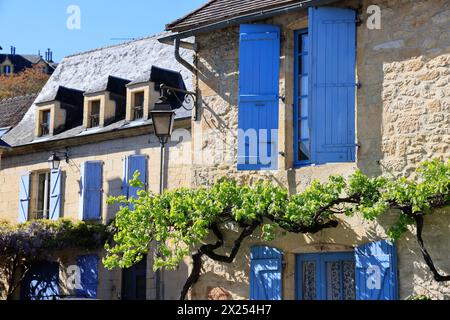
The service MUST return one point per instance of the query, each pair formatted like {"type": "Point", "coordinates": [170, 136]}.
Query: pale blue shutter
{"type": "Point", "coordinates": [24, 198]}
{"type": "Point", "coordinates": [333, 77]}
{"type": "Point", "coordinates": [132, 164]}
{"type": "Point", "coordinates": [88, 265]}
{"type": "Point", "coordinates": [259, 69]}
{"type": "Point", "coordinates": [266, 266]}
{"type": "Point", "coordinates": [376, 271]}
{"type": "Point", "coordinates": [55, 194]}
{"type": "Point", "coordinates": [91, 190]}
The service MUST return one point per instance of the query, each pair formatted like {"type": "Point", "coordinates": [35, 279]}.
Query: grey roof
{"type": "Point", "coordinates": [12, 110]}
{"type": "Point", "coordinates": [87, 71]}
{"type": "Point", "coordinates": [220, 10]}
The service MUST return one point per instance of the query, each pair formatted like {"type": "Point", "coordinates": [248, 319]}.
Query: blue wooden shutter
{"type": "Point", "coordinates": [376, 271]}
{"type": "Point", "coordinates": [88, 265]}
{"type": "Point", "coordinates": [259, 65]}
{"type": "Point", "coordinates": [24, 198]}
{"type": "Point", "coordinates": [132, 164]}
{"type": "Point", "coordinates": [55, 194]}
{"type": "Point", "coordinates": [265, 273]}
{"type": "Point", "coordinates": [91, 190]}
{"type": "Point", "coordinates": [332, 89]}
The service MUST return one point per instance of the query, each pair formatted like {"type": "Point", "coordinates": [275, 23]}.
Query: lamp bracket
{"type": "Point", "coordinates": [190, 101]}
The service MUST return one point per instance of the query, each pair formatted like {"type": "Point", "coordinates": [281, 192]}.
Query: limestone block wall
{"type": "Point", "coordinates": [402, 119]}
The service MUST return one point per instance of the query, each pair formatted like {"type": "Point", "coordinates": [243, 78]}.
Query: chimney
{"type": "Point", "coordinates": [13, 51]}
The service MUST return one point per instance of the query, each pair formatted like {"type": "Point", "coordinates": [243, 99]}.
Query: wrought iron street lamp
{"type": "Point", "coordinates": [55, 160]}
{"type": "Point", "coordinates": [163, 118]}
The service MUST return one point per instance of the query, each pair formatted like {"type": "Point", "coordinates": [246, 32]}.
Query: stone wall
{"type": "Point", "coordinates": [403, 118]}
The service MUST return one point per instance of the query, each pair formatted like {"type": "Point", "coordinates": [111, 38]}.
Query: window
{"type": "Point", "coordinates": [326, 276]}
{"type": "Point", "coordinates": [94, 115]}
{"type": "Point", "coordinates": [301, 104]}
{"type": "Point", "coordinates": [7, 69]}
{"type": "Point", "coordinates": [138, 107]}
{"type": "Point", "coordinates": [41, 196]}
{"type": "Point", "coordinates": [45, 123]}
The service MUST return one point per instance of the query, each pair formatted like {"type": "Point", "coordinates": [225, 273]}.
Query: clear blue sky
{"type": "Point", "coordinates": [31, 25]}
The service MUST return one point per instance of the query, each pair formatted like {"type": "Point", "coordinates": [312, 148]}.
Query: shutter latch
{"type": "Point", "coordinates": [358, 85]}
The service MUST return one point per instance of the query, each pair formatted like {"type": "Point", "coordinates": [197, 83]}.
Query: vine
{"type": "Point", "coordinates": [21, 245]}
{"type": "Point", "coordinates": [182, 219]}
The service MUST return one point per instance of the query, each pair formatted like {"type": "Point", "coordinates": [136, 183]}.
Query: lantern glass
{"type": "Point", "coordinates": [54, 162]}
{"type": "Point", "coordinates": [163, 119]}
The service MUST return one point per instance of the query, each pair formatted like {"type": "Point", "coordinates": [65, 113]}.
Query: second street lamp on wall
{"type": "Point", "coordinates": [54, 161]}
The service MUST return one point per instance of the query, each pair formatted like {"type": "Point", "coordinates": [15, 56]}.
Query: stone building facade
{"type": "Point", "coordinates": [402, 118]}
{"type": "Point", "coordinates": [58, 121]}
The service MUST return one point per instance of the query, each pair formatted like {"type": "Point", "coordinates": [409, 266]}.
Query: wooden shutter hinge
{"type": "Point", "coordinates": [358, 85]}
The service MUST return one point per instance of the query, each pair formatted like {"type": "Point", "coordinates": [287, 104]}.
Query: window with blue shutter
{"type": "Point", "coordinates": [88, 265]}
{"type": "Point", "coordinates": [325, 80]}
{"type": "Point", "coordinates": [24, 198]}
{"type": "Point", "coordinates": [266, 266]}
{"type": "Point", "coordinates": [91, 190]}
{"type": "Point", "coordinates": [55, 194]}
{"type": "Point", "coordinates": [302, 141]}
{"type": "Point", "coordinates": [132, 164]}
{"type": "Point", "coordinates": [376, 271]}
{"type": "Point", "coordinates": [259, 64]}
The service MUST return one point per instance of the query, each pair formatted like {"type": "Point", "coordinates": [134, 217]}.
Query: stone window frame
{"type": "Point", "coordinates": [151, 96]}
{"type": "Point", "coordinates": [34, 196]}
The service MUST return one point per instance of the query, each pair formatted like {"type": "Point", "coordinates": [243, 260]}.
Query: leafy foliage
{"type": "Point", "coordinates": [181, 219]}
{"type": "Point", "coordinates": [30, 80]}
{"type": "Point", "coordinates": [21, 245]}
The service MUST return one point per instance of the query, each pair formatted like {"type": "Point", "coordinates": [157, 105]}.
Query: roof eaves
{"type": "Point", "coordinates": [248, 17]}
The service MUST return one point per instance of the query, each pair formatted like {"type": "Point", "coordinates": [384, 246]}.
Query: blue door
{"type": "Point", "coordinates": [41, 282]}
{"type": "Point", "coordinates": [134, 281]}
{"type": "Point", "coordinates": [326, 276]}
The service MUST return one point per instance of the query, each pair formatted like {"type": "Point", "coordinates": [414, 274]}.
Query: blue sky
{"type": "Point", "coordinates": [31, 25]}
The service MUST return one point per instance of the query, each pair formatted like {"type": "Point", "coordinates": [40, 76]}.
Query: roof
{"type": "Point", "coordinates": [22, 61]}
{"type": "Point", "coordinates": [12, 110]}
{"type": "Point", "coordinates": [87, 70]}
{"type": "Point", "coordinates": [220, 10]}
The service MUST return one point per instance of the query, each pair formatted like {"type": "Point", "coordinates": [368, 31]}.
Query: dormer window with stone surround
{"type": "Point", "coordinates": [105, 104]}
{"type": "Point", "coordinates": [58, 112]}
{"type": "Point", "coordinates": [144, 93]}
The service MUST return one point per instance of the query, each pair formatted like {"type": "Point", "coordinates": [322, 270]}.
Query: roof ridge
{"type": "Point", "coordinates": [177, 21]}
{"type": "Point", "coordinates": [157, 35]}
{"type": "Point", "coordinates": [29, 95]}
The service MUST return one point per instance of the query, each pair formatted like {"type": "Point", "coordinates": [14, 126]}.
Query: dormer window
{"type": "Point", "coordinates": [7, 69]}
{"type": "Point", "coordinates": [44, 126]}
{"type": "Point", "coordinates": [94, 114]}
{"type": "Point", "coordinates": [138, 107]}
